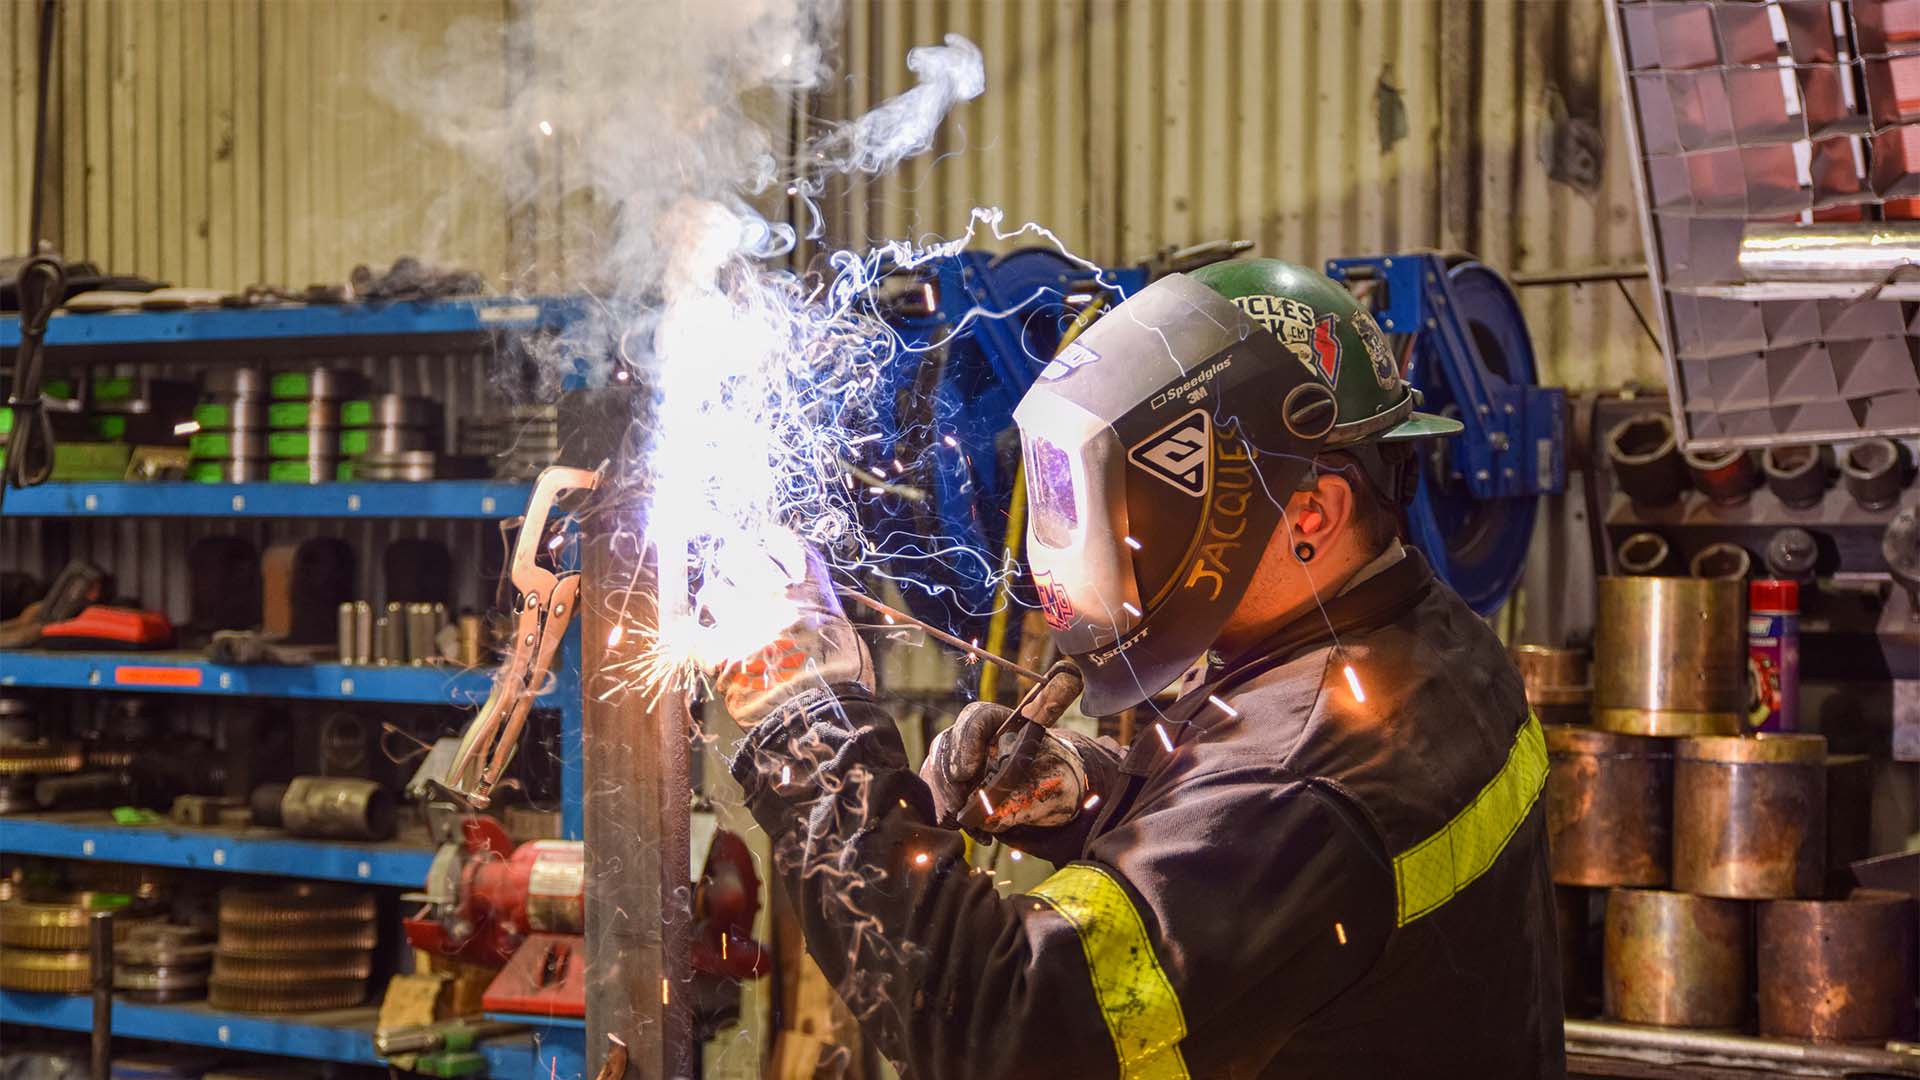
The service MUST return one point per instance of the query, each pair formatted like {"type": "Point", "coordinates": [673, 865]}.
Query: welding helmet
{"type": "Point", "coordinates": [1161, 446]}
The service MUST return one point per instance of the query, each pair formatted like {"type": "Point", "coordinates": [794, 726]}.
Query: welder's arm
{"type": "Point", "coordinates": [950, 979]}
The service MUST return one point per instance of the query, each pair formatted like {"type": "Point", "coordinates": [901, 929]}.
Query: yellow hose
{"type": "Point", "coordinates": [1017, 522]}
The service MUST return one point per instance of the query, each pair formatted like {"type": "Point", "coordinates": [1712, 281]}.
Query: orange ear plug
{"type": "Point", "coordinates": [1311, 520]}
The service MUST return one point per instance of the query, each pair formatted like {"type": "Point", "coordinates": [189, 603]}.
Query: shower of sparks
{"type": "Point", "coordinates": [1353, 684]}
{"type": "Point", "coordinates": [1132, 543]}
{"type": "Point", "coordinates": [1093, 800]}
{"type": "Point", "coordinates": [1164, 740]}
{"type": "Point", "coordinates": [985, 802]}
{"type": "Point", "coordinates": [1216, 701]}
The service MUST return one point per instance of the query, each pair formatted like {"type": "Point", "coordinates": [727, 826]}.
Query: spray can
{"type": "Point", "coordinates": [1773, 655]}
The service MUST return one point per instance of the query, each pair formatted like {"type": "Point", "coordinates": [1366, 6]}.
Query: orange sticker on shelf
{"type": "Point", "coordinates": [157, 676]}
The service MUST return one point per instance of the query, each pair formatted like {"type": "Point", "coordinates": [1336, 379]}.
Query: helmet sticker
{"type": "Point", "coordinates": [1326, 348]}
{"type": "Point", "coordinates": [1177, 454]}
{"type": "Point", "coordinates": [1297, 326]}
{"type": "Point", "coordinates": [1072, 358]}
{"type": "Point", "coordinates": [1054, 602]}
{"type": "Point", "coordinates": [1386, 370]}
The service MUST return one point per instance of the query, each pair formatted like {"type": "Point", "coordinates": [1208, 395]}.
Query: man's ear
{"type": "Point", "coordinates": [1323, 513]}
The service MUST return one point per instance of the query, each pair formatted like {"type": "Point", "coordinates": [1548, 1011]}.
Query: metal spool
{"type": "Point", "coordinates": [965, 392]}
{"type": "Point", "coordinates": [1670, 656]}
{"type": "Point", "coordinates": [1676, 960]}
{"type": "Point", "coordinates": [1479, 547]}
{"type": "Point", "coordinates": [1750, 815]}
{"type": "Point", "coordinates": [1609, 807]}
{"type": "Point", "coordinates": [1838, 970]}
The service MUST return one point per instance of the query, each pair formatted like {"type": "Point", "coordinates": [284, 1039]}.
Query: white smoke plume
{"type": "Point", "coordinates": [668, 116]}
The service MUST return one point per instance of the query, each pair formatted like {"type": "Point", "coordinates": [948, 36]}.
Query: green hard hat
{"type": "Point", "coordinates": [1334, 335]}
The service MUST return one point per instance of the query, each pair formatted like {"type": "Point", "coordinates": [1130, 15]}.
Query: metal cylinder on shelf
{"type": "Point", "coordinates": [1672, 959]}
{"type": "Point", "coordinates": [1837, 970]}
{"type": "Point", "coordinates": [1557, 683]}
{"type": "Point", "coordinates": [1670, 656]}
{"type": "Point", "coordinates": [1646, 459]}
{"type": "Point", "coordinates": [1728, 562]}
{"type": "Point", "coordinates": [1792, 554]}
{"type": "Point", "coordinates": [1874, 470]}
{"type": "Point", "coordinates": [1797, 475]}
{"type": "Point", "coordinates": [343, 807]}
{"type": "Point", "coordinates": [1609, 807]}
{"type": "Point", "coordinates": [1727, 477]}
{"type": "Point", "coordinates": [1750, 815]}
{"type": "Point", "coordinates": [1644, 554]}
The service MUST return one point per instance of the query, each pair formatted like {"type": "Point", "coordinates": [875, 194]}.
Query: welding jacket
{"type": "Point", "coordinates": [1305, 885]}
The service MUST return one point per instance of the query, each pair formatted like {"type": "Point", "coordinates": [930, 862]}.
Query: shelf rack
{"type": "Point", "coordinates": [95, 835]}
{"type": "Point", "coordinates": [444, 499]}
{"type": "Point", "coordinates": [344, 1035]}
{"type": "Point", "coordinates": [282, 332]}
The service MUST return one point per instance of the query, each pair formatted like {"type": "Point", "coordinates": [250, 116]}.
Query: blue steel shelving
{"type": "Point", "coordinates": [182, 673]}
{"type": "Point", "coordinates": [557, 1050]}
{"type": "Point", "coordinates": [476, 499]}
{"type": "Point", "coordinates": [95, 835]}
{"type": "Point", "coordinates": [344, 1035]}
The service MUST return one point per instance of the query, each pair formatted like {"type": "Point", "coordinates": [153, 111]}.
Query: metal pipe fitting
{"type": "Point", "coordinates": [1609, 807]}
{"type": "Point", "coordinates": [1646, 459]}
{"type": "Point", "coordinates": [1675, 960]}
{"type": "Point", "coordinates": [1670, 656]}
{"type": "Point", "coordinates": [1725, 476]}
{"type": "Point", "coordinates": [1645, 554]}
{"type": "Point", "coordinates": [1874, 470]}
{"type": "Point", "coordinates": [1837, 970]}
{"type": "Point", "coordinates": [1750, 816]}
{"type": "Point", "coordinates": [1722, 561]}
{"type": "Point", "coordinates": [1791, 554]}
{"type": "Point", "coordinates": [1556, 680]}
{"type": "Point", "coordinates": [1797, 475]}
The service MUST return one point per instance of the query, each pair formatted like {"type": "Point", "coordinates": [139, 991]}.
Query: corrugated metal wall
{"type": "Point", "coordinates": [225, 142]}
{"type": "Point", "coordinates": [230, 141]}
{"type": "Point", "coordinates": [1313, 127]}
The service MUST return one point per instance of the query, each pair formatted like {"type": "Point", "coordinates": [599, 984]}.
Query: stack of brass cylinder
{"type": "Point", "coordinates": [1707, 847]}
{"type": "Point", "coordinates": [299, 948]}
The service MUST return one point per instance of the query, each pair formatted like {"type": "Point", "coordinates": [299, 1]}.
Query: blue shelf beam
{"type": "Point", "coordinates": [290, 329]}
{"type": "Point", "coordinates": [344, 1036]}
{"type": "Point", "coordinates": [94, 835]}
{"type": "Point", "coordinates": [180, 673]}
{"type": "Point", "coordinates": [470, 499]}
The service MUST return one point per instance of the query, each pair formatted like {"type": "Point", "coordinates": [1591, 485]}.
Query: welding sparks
{"type": "Point", "coordinates": [665, 996]}
{"type": "Point", "coordinates": [1132, 543]}
{"type": "Point", "coordinates": [1353, 684]}
{"type": "Point", "coordinates": [1216, 702]}
{"type": "Point", "coordinates": [613, 637]}
{"type": "Point", "coordinates": [1164, 740]}
{"type": "Point", "coordinates": [546, 127]}
{"type": "Point", "coordinates": [1340, 932]}
{"type": "Point", "coordinates": [1093, 800]}
{"type": "Point", "coordinates": [1128, 607]}
{"type": "Point", "coordinates": [985, 802]}
{"type": "Point", "coordinates": [786, 775]}
{"type": "Point", "coordinates": [920, 859]}
{"type": "Point", "coordinates": [186, 427]}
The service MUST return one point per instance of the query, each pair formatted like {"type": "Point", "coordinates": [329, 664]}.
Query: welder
{"type": "Point", "coordinates": [1324, 853]}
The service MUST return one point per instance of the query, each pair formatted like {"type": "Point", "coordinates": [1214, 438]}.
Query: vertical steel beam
{"type": "Point", "coordinates": [635, 751]}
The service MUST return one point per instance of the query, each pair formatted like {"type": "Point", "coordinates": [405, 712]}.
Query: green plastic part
{"type": "Point", "coordinates": [289, 414]}
{"type": "Point", "coordinates": [451, 1063]}
{"type": "Point", "coordinates": [113, 388]}
{"type": "Point", "coordinates": [356, 413]}
{"type": "Point", "coordinates": [108, 428]}
{"type": "Point", "coordinates": [290, 384]}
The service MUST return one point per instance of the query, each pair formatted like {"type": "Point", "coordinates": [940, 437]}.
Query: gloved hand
{"type": "Point", "coordinates": [1031, 775]}
{"type": "Point", "coordinates": [819, 648]}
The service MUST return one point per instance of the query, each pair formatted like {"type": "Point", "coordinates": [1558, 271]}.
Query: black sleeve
{"type": "Point", "coordinates": [1246, 896]}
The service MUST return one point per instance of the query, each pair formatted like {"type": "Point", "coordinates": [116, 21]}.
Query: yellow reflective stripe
{"type": "Point", "coordinates": [1431, 872]}
{"type": "Point", "coordinates": [1136, 1000]}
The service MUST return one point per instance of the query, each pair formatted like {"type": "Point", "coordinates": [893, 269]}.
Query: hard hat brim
{"type": "Point", "coordinates": [1421, 425]}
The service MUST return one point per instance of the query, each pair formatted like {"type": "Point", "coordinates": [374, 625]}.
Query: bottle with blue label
{"type": "Point", "coordinates": [1773, 655]}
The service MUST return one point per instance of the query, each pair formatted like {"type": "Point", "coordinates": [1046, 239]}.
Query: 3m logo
{"type": "Point", "coordinates": [1178, 453]}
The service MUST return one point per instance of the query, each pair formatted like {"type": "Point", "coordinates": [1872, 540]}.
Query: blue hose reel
{"type": "Point", "coordinates": [948, 451]}
{"type": "Point", "coordinates": [1468, 353]}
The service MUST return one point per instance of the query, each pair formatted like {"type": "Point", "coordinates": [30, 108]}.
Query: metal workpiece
{"type": "Point", "coordinates": [1609, 807]}
{"type": "Point", "coordinates": [291, 998]}
{"type": "Point", "coordinates": [392, 631]}
{"type": "Point", "coordinates": [1727, 477]}
{"type": "Point", "coordinates": [337, 807]}
{"type": "Point", "coordinates": [1723, 561]}
{"type": "Point", "coordinates": [1797, 475]}
{"type": "Point", "coordinates": [1792, 554]}
{"type": "Point", "coordinates": [1557, 683]}
{"type": "Point", "coordinates": [1646, 459]}
{"type": "Point", "coordinates": [1862, 251]}
{"type": "Point", "coordinates": [1670, 656]}
{"type": "Point", "coordinates": [1874, 471]}
{"type": "Point", "coordinates": [362, 634]}
{"type": "Point", "coordinates": [1837, 970]}
{"type": "Point", "coordinates": [1672, 959]}
{"type": "Point", "coordinates": [293, 908]}
{"type": "Point", "coordinates": [1644, 554]}
{"type": "Point", "coordinates": [1772, 1057]}
{"type": "Point", "coordinates": [1750, 815]}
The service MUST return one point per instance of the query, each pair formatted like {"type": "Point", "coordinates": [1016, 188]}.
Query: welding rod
{"type": "Point", "coordinates": [942, 636]}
